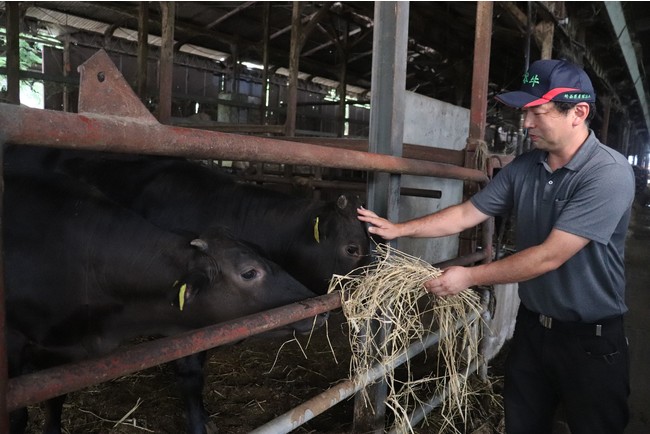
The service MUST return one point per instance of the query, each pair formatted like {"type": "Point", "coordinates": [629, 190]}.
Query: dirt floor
{"type": "Point", "coordinates": [247, 385]}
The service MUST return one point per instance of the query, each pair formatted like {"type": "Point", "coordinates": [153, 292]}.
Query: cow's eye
{"type": "Point", "coordinates": [250, 274]}
{"type": "Point", "coordinates": [352, 250]}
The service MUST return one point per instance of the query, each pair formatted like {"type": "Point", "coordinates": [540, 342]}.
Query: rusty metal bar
{"type": "Point", "coordinates": [314, 183]}
{"type": "Point", "coordinates": [481, 70]}
{"type": "Point", "coordinates": [470, 259]}
{"type": "Point", "coordinates": [418, 152]}
{"type": "Point", "coordinates": [230, 128]}
{"type": "Point", "coordinates": [478, 110]}
{"type": "Point", "coordinates": [478, 116]}
{"type": "Point", "coordinates": [120, 134]}
{"type": "Point", "coordinates": [48, 383]}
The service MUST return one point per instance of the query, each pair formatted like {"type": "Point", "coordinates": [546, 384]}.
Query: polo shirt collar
{"type": "Point", "coordinates": [581, 157]}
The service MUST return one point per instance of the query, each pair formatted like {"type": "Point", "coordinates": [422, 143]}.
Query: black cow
{"type": "Point", "coordinates": [310, 239]}
{"type": "Point", "coordinates": [84, 274]}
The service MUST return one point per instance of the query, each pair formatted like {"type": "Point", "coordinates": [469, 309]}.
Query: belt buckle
{"type": "Point", "coordinates": [546, 321]}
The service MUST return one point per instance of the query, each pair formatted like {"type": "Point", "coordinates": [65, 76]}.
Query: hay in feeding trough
{"type": "Point", "coordinates": [388, 298]}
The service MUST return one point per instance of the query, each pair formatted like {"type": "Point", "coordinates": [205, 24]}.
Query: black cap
{"type": "Point", "coordinates": [551, 80]}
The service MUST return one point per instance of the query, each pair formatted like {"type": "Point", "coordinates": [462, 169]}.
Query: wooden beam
{"type": "Point", "coordinates": [13, 52]}
{"type": "Point", "coordinates": [544, 33]}
{"type": "Point", "coordinates": [166, 63]}
{"type": "Point", "coordinates": [343, 80]}
{"type": "Point", "coordinates": [143, 49]}
{"type": "Point", "coordinates": [294, 64]}
{"type": "Point", "coordinates": [229, 14]}
{"type": "Point", "coordinates": [313, 21]}
{"type": "Point", "coordinates": [266, 29]}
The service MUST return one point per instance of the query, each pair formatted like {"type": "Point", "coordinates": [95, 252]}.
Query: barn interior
{"type": "Point", "coordinates": [305, 72]}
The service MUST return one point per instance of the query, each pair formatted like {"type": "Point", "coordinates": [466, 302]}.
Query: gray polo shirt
{"type": "Point", "coordinates": [591, 197]}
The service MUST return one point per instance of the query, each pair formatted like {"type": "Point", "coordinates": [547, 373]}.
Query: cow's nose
{"type": "Point", "coordinates": [308, 324]}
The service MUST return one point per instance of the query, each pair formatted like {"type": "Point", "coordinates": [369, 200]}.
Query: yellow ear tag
{"type": "Point", "coordinates": [181, 296]}
{"type": "Point", "coordinates": [316, 234]}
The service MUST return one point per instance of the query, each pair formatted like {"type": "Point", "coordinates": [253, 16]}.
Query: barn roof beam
{"type": "Point", "coordinates": [276, 57]}
{"type": "Point", "coordinates": [227, 15]}
{"type": "Point", "coordinates": [619, 23]}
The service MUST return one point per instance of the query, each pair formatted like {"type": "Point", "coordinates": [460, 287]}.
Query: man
{"type": "Point", "coordinates": [571, 197]}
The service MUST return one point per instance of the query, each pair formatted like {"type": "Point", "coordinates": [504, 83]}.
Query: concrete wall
{"type": "Point", "coordinates": [429, 122]}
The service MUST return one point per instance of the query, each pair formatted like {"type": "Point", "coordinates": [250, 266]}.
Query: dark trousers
{"type": "Point", "coordinates": [570, 366]}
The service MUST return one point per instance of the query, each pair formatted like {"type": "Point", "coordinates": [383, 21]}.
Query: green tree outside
{"type": "Point", "coordinates": [31, 91]}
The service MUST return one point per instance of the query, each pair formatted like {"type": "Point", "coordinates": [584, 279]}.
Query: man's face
{"type": "Point", "coordinates": [548, 129]}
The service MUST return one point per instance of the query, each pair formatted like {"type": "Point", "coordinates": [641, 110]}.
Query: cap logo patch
{"type": "Point", "coordinates": [532, 80]}
{"type": "Point", "coordinates": [577, 96]}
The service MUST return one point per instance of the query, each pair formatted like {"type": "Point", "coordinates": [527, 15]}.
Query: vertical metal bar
{"type": "Point", "coordinates": [481, 70]}
{"type": "Point", "coordinates": [478, 115]}
{"type": "Point", "coordinates": [343, 79]}
{"type": "Point", "coordinates": [4, 366]}
{"type": "Point", "coordinates": [265, 61]}
{"type": "Point", "coordinates": [66, 72]}
{"type": "Point", "coordinates": [166, 65]}
{"type": "Point", "coordinates": [625, 142]}
{"type": "Point", "coordinates": [13, 96]}
{"type": "Point", "coordinates": [13, 52]}
{"type": "Point", "coordinates": [478, 109]}
{"type": "Point", "coordinates": [294, 64]}
{"type": "Point", "coordinates": [143, 49]}
{"type": "Point", "coordinates": [390, 38]}
{"type": "Point", "coordinates": [234, 84]}
{"type": "Point", "coordinates": [387, 103]}
{"type": "Point", "coordinates": [607, 109]}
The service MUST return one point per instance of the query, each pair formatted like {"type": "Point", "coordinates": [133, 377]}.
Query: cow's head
{"type": "Point", "coordinates": [229, 279]}
{"type": "Point", "coordinates": [336, 242]}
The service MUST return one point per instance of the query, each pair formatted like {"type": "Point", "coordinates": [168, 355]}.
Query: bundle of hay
{"type": "Point", "coordinates": [388, 298]}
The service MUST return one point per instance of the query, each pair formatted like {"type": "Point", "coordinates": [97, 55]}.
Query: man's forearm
{"type": "Point", "coordinates": [448, 221]}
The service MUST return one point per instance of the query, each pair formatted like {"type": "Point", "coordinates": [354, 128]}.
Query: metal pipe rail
{"type": "Point", "coordinates": [124, 134]}
{"type": "Point", "coordinates": [421, 411]}
{"type": "Point", "coordinates": [45, 384]}
{"type": "Point", "coordinates": [320, 403]}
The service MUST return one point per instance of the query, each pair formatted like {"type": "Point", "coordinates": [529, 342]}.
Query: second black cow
{"type": "Point", "coordinates": [311, 239]}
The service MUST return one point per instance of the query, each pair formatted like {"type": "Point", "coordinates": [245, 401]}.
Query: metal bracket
{"type": "Point", "coordinates": [103, 90]}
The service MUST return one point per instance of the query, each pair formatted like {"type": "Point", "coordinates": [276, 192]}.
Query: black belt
{"type": "Point", "coordinates": [553, 324]}
{"type": "Point", "coordinates": [596, 328]}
